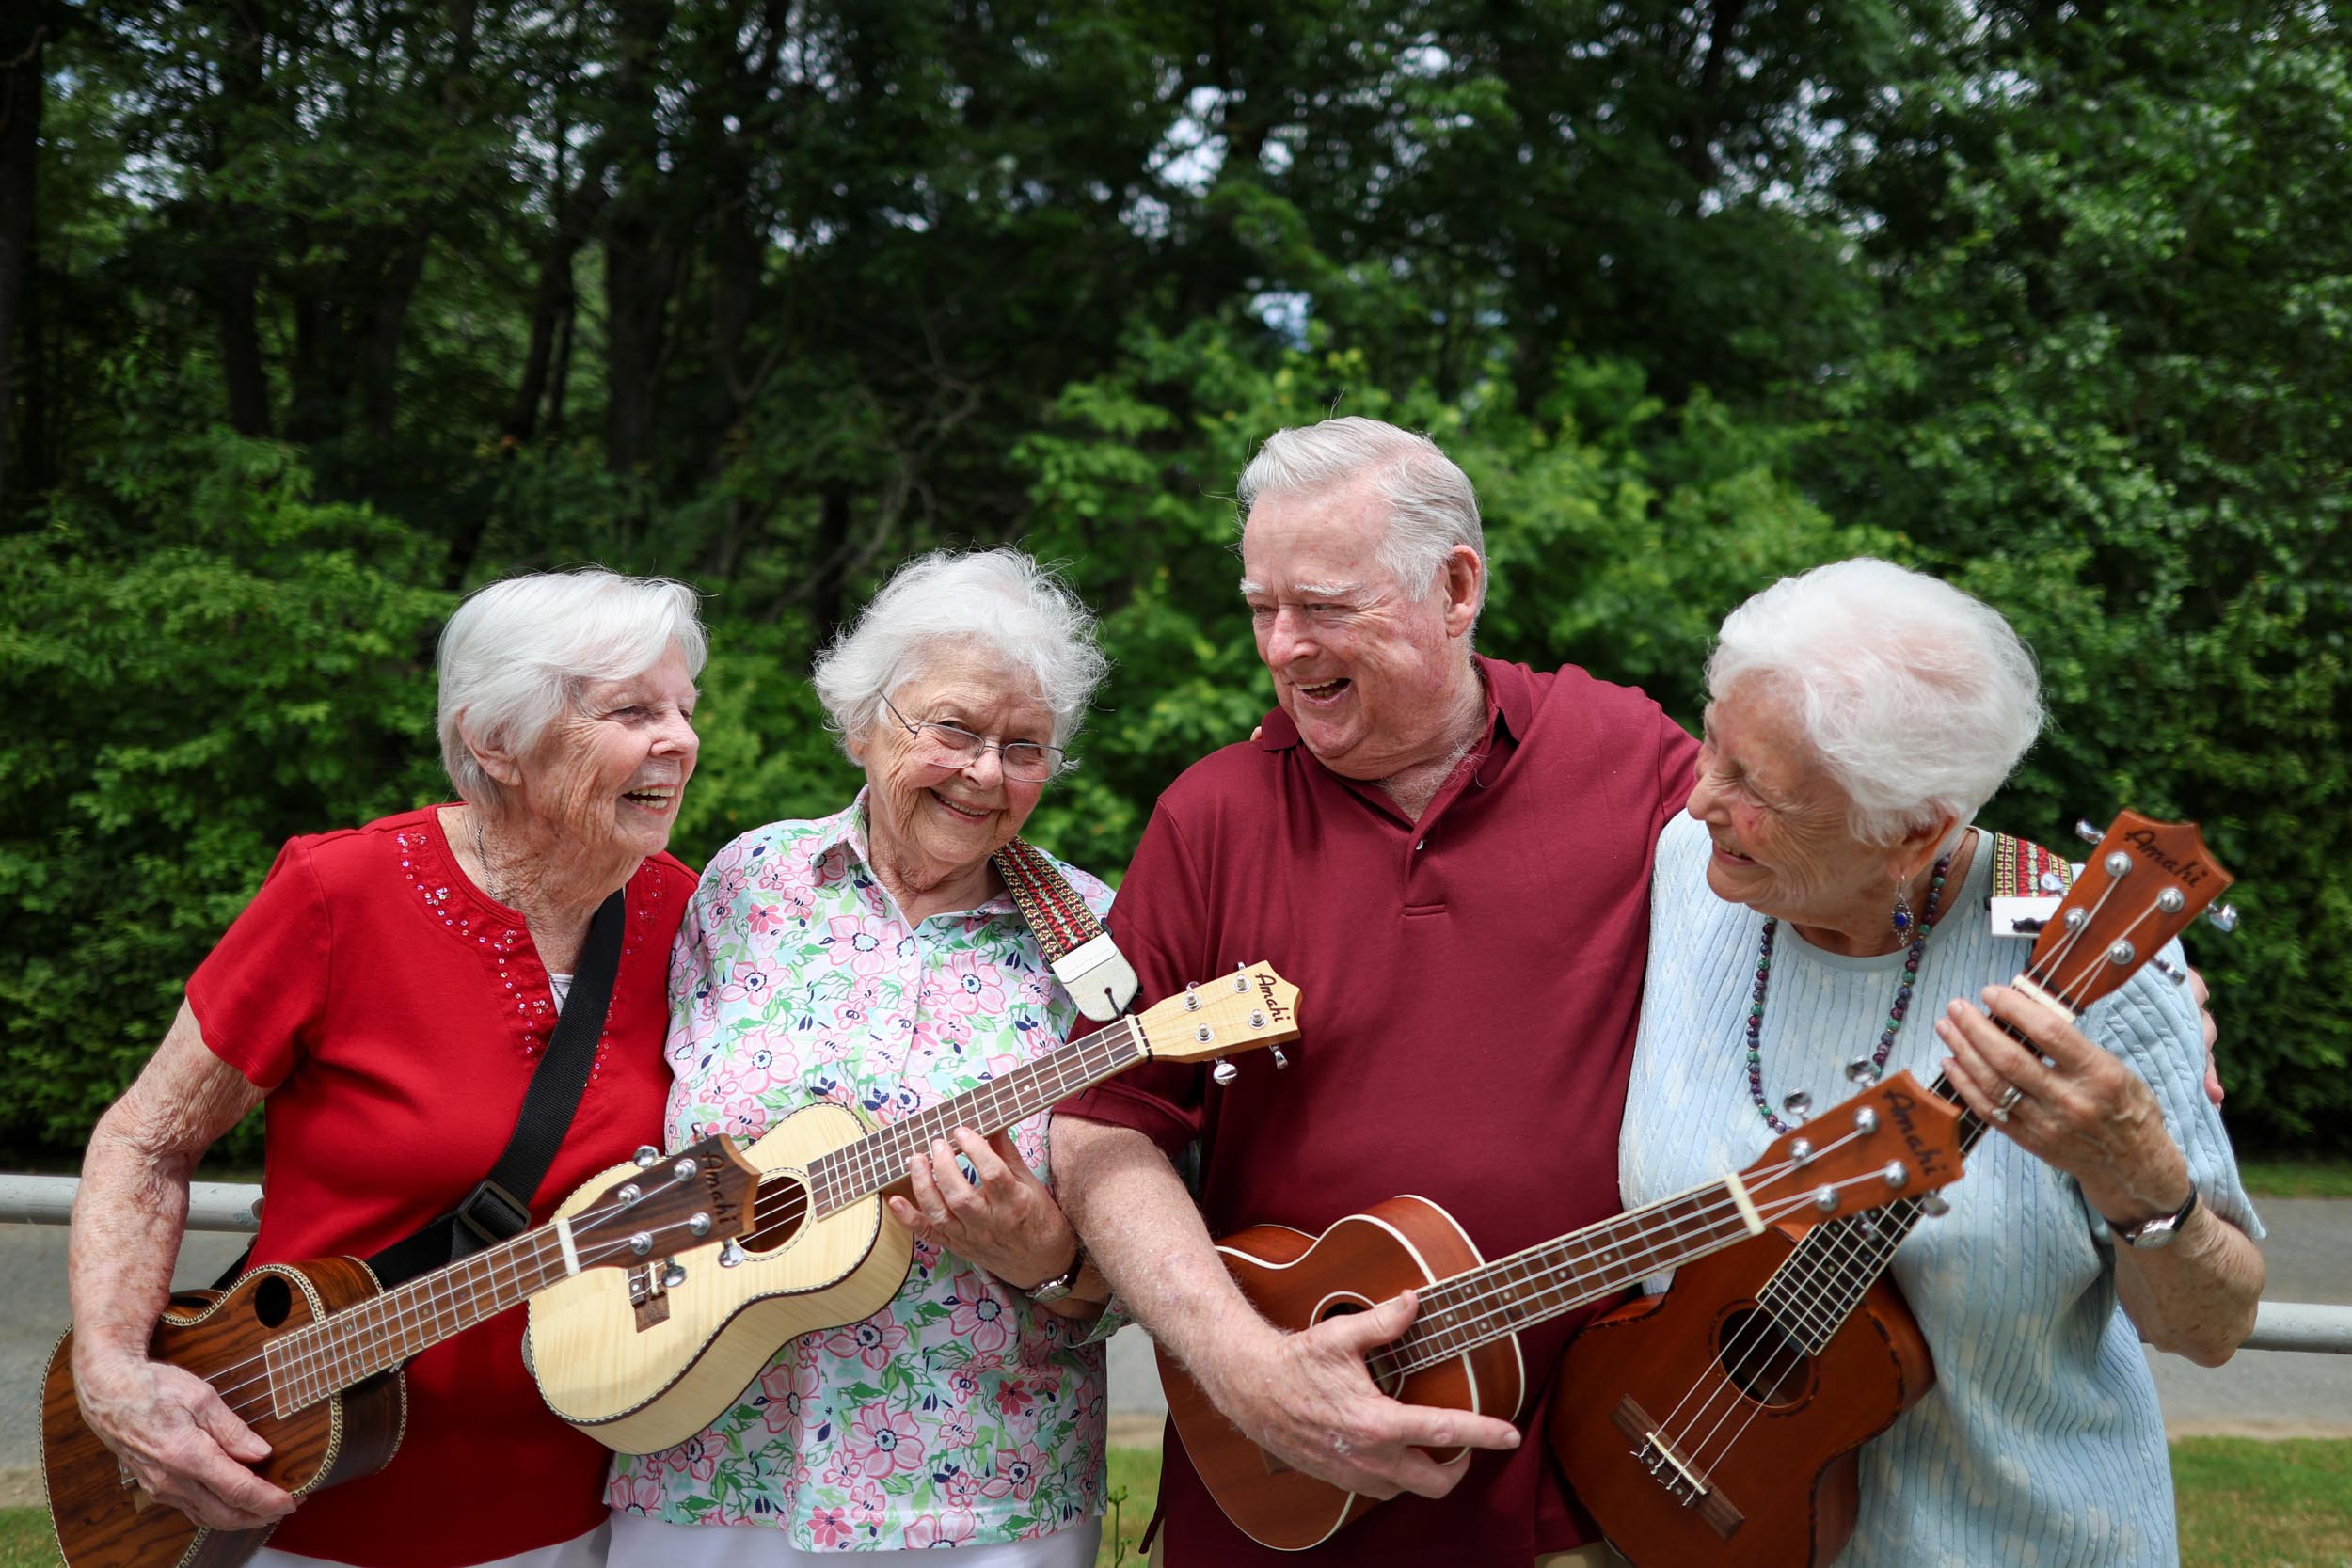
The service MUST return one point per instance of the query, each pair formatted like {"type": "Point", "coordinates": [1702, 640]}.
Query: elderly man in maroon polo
{"type": "Point", "coordinates": [1451, 858]}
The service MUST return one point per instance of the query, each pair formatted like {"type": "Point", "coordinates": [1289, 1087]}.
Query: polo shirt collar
{"type": "Point", "coordinates": [1509, 696]}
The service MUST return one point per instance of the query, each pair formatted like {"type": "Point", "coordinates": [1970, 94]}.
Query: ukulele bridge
{"type": "Point", "coordinates": [1658, 1459]}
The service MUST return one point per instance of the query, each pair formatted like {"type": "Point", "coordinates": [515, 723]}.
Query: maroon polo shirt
{"type": "Point", "coordinates": [1467, 990]}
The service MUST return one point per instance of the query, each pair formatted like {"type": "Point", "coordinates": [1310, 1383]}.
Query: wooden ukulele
{"type": "Point", "coordinates": [643, 1361]}
{"type": "Point", "coordinates": [1461, 1351]}
{"type": "Point", "coordinates": [1719, 1424]}
{"type": "Point", "coordinates": [308, 1355]}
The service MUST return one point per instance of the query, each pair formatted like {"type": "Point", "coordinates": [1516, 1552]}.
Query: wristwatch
{"type": "Point", "coordinates": [1061, 1284]}
{"type": "Point", "coordinates": [2157, 1232]}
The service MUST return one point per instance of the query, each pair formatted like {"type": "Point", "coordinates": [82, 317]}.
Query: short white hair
{"type": "Point", "coordinates": [1918, 698]}
{"type": "Point", "coordinates": [517, 654]}
{"type": "Point", "coordinates": [945, 606]}
{"type": "Point", "coordinates": [1431, 506]}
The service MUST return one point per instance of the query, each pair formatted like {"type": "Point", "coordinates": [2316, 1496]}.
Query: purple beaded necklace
{"type": "Point", "coordinates": [1862, 1069]}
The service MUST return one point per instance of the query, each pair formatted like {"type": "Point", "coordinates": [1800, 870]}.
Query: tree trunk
{"type": "Point", "coordinates": [22, 37]}
{"type": "Point", "coordinates": [642, 252]}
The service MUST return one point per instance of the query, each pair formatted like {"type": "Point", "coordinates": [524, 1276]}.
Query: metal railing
{"type": "Point", "coordinates": [2316, 1328]}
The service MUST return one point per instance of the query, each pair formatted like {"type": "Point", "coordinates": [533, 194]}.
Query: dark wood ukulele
{"type": "Point", "coordinates": [1461, 1351]}
{"type": "Point", "coordinates": [308, 1355]}
{"type": "Point", "coordinates": [1720, 1423]}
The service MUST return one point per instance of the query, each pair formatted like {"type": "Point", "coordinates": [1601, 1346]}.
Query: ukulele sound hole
{"type": "Point", "coordinates": [272, 1301]}
{"type": "Point", "coordinates": [1761, 1360]}
{"type": "Point", "coordinates": [779, 1210]}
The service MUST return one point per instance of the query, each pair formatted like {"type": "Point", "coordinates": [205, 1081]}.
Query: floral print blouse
{"type": "Point", "coordinates": [961, 1413]}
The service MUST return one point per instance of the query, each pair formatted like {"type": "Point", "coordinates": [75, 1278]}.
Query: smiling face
{"type": "Point", "coordinates": [603, 783]}
{"type": "Point", "coordinates": [1372, 674]}
{"type": "Point", "coordinates": [1779, 821]}
{"type": "Point", "coordinates": [935, 821]}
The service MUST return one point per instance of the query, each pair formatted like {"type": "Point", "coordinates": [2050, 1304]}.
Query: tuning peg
{"type": "Point", "coordinates": [1862, 1069]}
{"type": "Point", "coordinates": [2223, 917]}
{"type": "Point", "coordinates": [1796, 1104]}
{"type": "Point", "coordinates": [1224, 1072]}
{"type": "Point", "coordinates": [2088, 833]}
{"type": "Point", "coordinates": [730, 1253]}
{"type": "Point", "coordinates": [1935, 1205]}
{"type": "Point", "coordinates": [1281, 1061]}
{"type": "Point", "coordinates": [2163, 967]}
{"type": "Point", "coordinates": [673, 1276]}
{"type": "Point", "coordinates": [647, 1156]}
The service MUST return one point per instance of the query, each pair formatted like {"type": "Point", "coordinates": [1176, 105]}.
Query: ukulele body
{"type": "Point", "coordinates": [1784, 1494]}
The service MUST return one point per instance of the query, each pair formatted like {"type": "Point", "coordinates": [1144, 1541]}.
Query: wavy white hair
{"type": "Point", "coordinates": [944, 606]}
{"type": "Point", "coordinates": [1431, 506]}
{"type": "Point", "coordinates": [516, 654]}
{"type": "Point", "coordinates": [1920, 698]}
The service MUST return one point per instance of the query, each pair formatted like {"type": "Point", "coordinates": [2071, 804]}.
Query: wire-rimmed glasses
{"type": "Point", "coordinates": [953, 746]}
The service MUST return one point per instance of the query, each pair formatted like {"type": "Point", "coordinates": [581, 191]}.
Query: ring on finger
{"type": "Point", "coordinates": [2009, 1098]}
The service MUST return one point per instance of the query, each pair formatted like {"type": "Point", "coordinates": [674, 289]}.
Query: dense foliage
{"type": "Point", "coordinates": [314, 313]}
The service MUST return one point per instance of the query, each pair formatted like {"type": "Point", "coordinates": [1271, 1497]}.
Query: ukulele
{"type": "Point", "coordinates": [308, 1355]}
{"type": "Point", "coordinates": [644, 1360]}
{"type": "Point", "coordinates": [1461, 1351]}
{"type": "Point", "coordinates": [1719, 1424]}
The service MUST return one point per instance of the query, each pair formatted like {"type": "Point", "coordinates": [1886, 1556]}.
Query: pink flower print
{"type": "Point", "coordinates": [963, 1487]}
{"type": "Point", "coordinates": [881, 1441]}
{"type": "Point", "coordinates": [959, 1429]}
{"type": "Point", "coordinates": [979, 1319]}
{"type": "Point", "coordinates": [972, 985]}
{"type": "Point", "coordinates": [1035, 988]}
{"type": "Point", "coordinates": [870, 1340]}
{"type": "Point", "coordinates": [1019, 1468]}
{"type": "Point", "coordinates": [953, 1527]}
{"type": "Point", "coordinates": [637, 1490]}
{"type": "Point", "coordinates": [1014, 1399]}
{"type": "Point", "coordinates": [928, 1254]}
{"type": "Point", "coordinates": [764, 1061]}
{"type": "Point", "coordinates": [693, 1457]}
{"type": "Point", "coordinates": [789, 1396]}
{"type": "Point", "coordinates": [866, 1504]}
{"type": "Point", "coordinates": [864, 945]}
{"type": "Point", "coordinates": [746, 983]}
{"type": "Point", "coordinates": [830, 1527]}
{"type": "Point", "coordinates": [963, 1385]}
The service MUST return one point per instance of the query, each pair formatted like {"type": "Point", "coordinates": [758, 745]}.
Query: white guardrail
{"type": "Point", "coordinates": [2318, 1327]}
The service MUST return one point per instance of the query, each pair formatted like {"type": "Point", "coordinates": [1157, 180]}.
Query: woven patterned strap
{"type": "Point", "coordinates": [2024, 870]}
{"type": "Point", "coordinates": [1052, 907]}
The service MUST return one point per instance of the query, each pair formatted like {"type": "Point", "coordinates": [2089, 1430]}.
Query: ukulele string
{"type": "Point", "coordinates": [1493, 1297]}
{"type": "Point", "coordinates": [588, 1217]}
{"type": "Point", "coordinates": [1850, 1242]}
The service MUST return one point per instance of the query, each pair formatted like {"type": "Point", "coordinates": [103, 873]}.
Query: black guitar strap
{"type": "Point", "coordinates": [500, 1205]}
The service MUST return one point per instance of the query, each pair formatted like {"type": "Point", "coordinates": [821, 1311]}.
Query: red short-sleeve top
{"type": "Point", "coordinates": [394, 1013]}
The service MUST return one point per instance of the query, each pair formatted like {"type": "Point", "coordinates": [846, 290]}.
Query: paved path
{"type": "Point", "coordinates": [2260, 1393]}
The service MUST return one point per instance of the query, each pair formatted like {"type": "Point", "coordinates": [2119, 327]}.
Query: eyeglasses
{"type": "Point", "coordinates": [952, 746]}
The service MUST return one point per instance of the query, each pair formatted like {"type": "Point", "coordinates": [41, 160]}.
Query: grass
{"type": "Point", "coordinates": [2315, 1178]}
{"type": "Point", "coordinates": [2243, 1504]}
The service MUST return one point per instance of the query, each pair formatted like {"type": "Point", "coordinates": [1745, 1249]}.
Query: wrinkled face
{"type": "Point", "coordinates": [1778, 819]}
{"type": "Point", "coordinates": [943, 817]}
{"type": "Point", "coordinates": [608, 775]}
{"type": "Point", "coordinates": [1366, 670]}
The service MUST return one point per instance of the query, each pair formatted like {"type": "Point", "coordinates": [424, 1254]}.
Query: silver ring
{"type": "Point", "coordinates": [2010, 1097]}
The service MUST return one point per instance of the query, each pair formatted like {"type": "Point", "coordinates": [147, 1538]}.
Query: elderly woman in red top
{"type": "Point", "coordinates": [386, 996]}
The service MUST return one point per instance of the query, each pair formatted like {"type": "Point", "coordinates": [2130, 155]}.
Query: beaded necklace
{"type": "Point", "coordinates": [1862, 1069]}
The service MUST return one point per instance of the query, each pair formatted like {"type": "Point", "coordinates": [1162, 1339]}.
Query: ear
{"type": "Point", "coordinates": [1465, 580]}
{"type": "Point", "coordinates": [1915, 851]}
{"type": "Point", "coordinates": [499, 763]}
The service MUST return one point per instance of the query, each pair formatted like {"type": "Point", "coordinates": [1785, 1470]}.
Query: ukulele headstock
{"type": "Point", "coordinates": [2141, 887]}
{"type": "Point", "coordinates": [1893, 1140]}
{"type": "Point", "coordinates": [1253, 1006]}
{"type": "Point", "coordinates": [704, 1193]}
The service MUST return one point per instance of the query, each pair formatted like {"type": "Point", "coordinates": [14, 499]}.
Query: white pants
{"type": "Point", "coordinates": [641, 1543]}
{"type": "Point", "coordinates": [581, 1551]}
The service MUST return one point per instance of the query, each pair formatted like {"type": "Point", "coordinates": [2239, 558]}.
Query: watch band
{"type": "Point", "coordinates": [2157, 1232]}
{"type": "Point", "coordinates": [1053, 1290]}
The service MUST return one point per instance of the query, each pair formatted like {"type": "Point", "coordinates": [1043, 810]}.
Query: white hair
{"type": "Point", "coordinates": [943, 607]}
{"type": "Point", "coordinates": [1920, 698]}
{"type": "Point", "coordinates": [1431, 505]}
{"type": "Point", "coordinates": [517, 654]}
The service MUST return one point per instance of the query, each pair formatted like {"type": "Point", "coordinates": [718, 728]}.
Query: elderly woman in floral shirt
{"type": "Point", "coordinates": [875, 958]}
